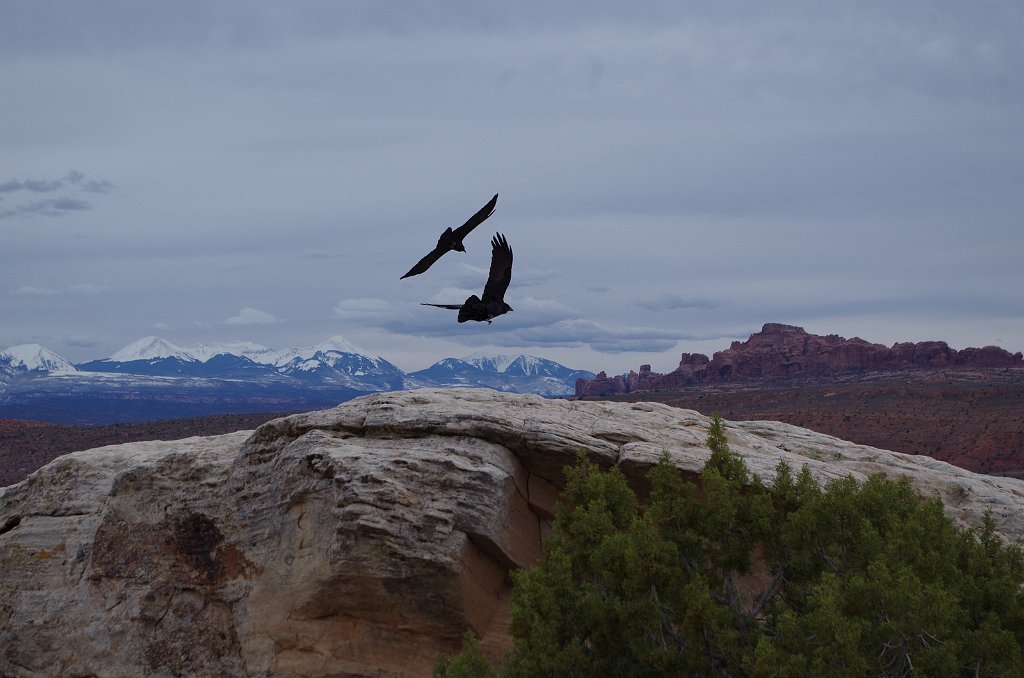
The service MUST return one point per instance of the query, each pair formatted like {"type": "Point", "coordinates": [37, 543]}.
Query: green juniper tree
{"type": "Point", "coordinates": [470, 663]}
{"type": "Point", "coordinates": [854, 580]}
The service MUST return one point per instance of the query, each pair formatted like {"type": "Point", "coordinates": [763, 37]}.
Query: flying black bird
{"type": "Point", "coordinates": [493, 302]}
{"type": "Point", "coordinates": [452, 240]}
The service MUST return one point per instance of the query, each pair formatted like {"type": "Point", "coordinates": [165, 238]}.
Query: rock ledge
{"type": "Point", "coordinates": [356, 541]}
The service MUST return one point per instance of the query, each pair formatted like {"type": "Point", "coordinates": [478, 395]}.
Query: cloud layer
{"type": "Point", "coordinates": [72, 183]}
{"type": "Point", "coordinates": [251, 316]}
{"type": "Point", "coordinates": [672, 175]}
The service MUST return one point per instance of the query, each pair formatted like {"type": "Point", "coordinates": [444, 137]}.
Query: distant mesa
{"type": "Point", "coordinates": [788, 351]}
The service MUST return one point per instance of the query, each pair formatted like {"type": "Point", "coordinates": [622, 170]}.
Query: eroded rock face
{"type": "Point", "coordinates": [601, 385]}
{"type": "Point", "coordinates": [122, 562]}
{"type": "Point", "coordinates": [789, 351]}
{"type": "Point", "coordinates": [356, 541]}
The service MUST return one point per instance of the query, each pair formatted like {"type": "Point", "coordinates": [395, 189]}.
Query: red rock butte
{"type": "Point", "coordinates": [789, 351]}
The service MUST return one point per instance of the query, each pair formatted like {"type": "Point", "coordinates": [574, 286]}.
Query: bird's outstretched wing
{"type": "Point", "coordinates": [453, 307]}
{"type": "Point", "coordinates": [450, 239]}
{"type": "Point", "coordinates": [477, 219]}
{"type": "Point", "coordinates": [501, 270]}
{"type": "Point", "coordinates": [426, 262]}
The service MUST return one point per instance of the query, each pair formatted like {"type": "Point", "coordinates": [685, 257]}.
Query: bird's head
{"type": "Point", "coordinates": [459, 247]}
{"type": "Point", "coordinates": [508, 308]}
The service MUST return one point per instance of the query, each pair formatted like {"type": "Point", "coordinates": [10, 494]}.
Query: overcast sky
{"type": "Point", "coordinates": [672, 175]}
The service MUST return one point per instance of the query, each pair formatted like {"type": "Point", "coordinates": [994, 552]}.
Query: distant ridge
{"type": "Point", "coordinates": [520, 374]}
{"type": "Point", "coordinates": [788, 351]}
{"type": "Point", "coordinates": [152, 378]}
{"type": "Point", "coordinates": [155, 348]}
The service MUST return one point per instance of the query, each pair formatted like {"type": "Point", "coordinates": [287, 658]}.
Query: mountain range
{"type": "Point", "coordinates": [153, 378]}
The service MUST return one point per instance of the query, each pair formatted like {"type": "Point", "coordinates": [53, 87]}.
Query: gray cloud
{"type": "Point", "coordinates": [601, 337]}
{"type": "Point", "coordinates": [32, 185]}
{"type": "Point", "coordinates": [72, 178]}
{"type": "Point", "coordinates": [251, 316]}
{"type": "Point", "coordinates": [668, 302]}
{"type": "Point", "coordinates": [87, 288]}
{"type": "Point", "coordinates": [534, 322]}
{"type": "Point", "coordinates": [51, 207]}
{"type": "Point", "coordinates": [667, 171]}
{"type": "Point", "coordinates": [57, 206]}
{"type": "Point", "coordinates": [575, 333]}
{"type": "Point", "coordinates": [78, 288]}
{"type": "Point", "coordinates": [321, 254]}
{"type": "Point", "coordinates": [80, 342]}
{"type": "Point", "coordinates": [76, 178]}
{"type": "Point", "coordinates": [365, 311]}
{"type": "Point", "coordinates": [34, 291]}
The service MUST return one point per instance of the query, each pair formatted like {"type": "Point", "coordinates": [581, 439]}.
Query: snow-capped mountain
{"type": "Point", "coordinates": [336, 345]}
{"type": "Point", "coordinates": [155, 378]}
{"type": "Point", "coordinates": [150, 348]}
{"type": "Point", "coordinates": [32, 357]}
{"type": "Point", "coordinates": [155, 348]}
{"type": "Point", "coordinates": [6, 369]}
{"type": "Point", "coordinates": [337, 362]}
{"type": "Point", "coordinates": [151, 356]}
{"type": "Point", "coordinates": [518, 374]}
{"type": "Point", "coordinates": [245, 349]}
{"type": "Point", "coordinates": [489, 363]}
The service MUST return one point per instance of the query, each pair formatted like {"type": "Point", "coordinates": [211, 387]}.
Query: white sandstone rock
{"type": "Point", "coordinates": [359, 540]}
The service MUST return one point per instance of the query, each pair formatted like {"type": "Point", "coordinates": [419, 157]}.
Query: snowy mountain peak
{"type": "Point", "coordinates": [520, 364]}
{"type": "Point", "coordinates": [495, 363]}
{"type": "Point", "coordinates": [521, 373]}
{"type": "Point", "coordinates": [527, 364]}
{"type": "Point", "coordinates": [285, 356]}
{"type": "Point", "coordinates": [150, 348]}
{"type": "Point", "coordinates": [343, 345]}
{"type": "Point", "coordinates": [517, 366]}
{"type": "Point", "coordinates": [35, 357]}
{"type": "Point", "coordinates": [244, 349]}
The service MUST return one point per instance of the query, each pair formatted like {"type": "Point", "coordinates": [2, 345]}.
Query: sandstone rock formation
{"type": "Point", "coordinates": [603, 385]}
{"type": "Point", "coordinates": [357, 541]}
{"type": "Point", "coordinates": [788, 351]}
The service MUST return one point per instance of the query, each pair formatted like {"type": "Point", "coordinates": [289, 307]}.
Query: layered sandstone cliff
{"type": "Point", "coordinates": [788, 351]}
{"type": "Point", "coordinates": [355, 541]}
